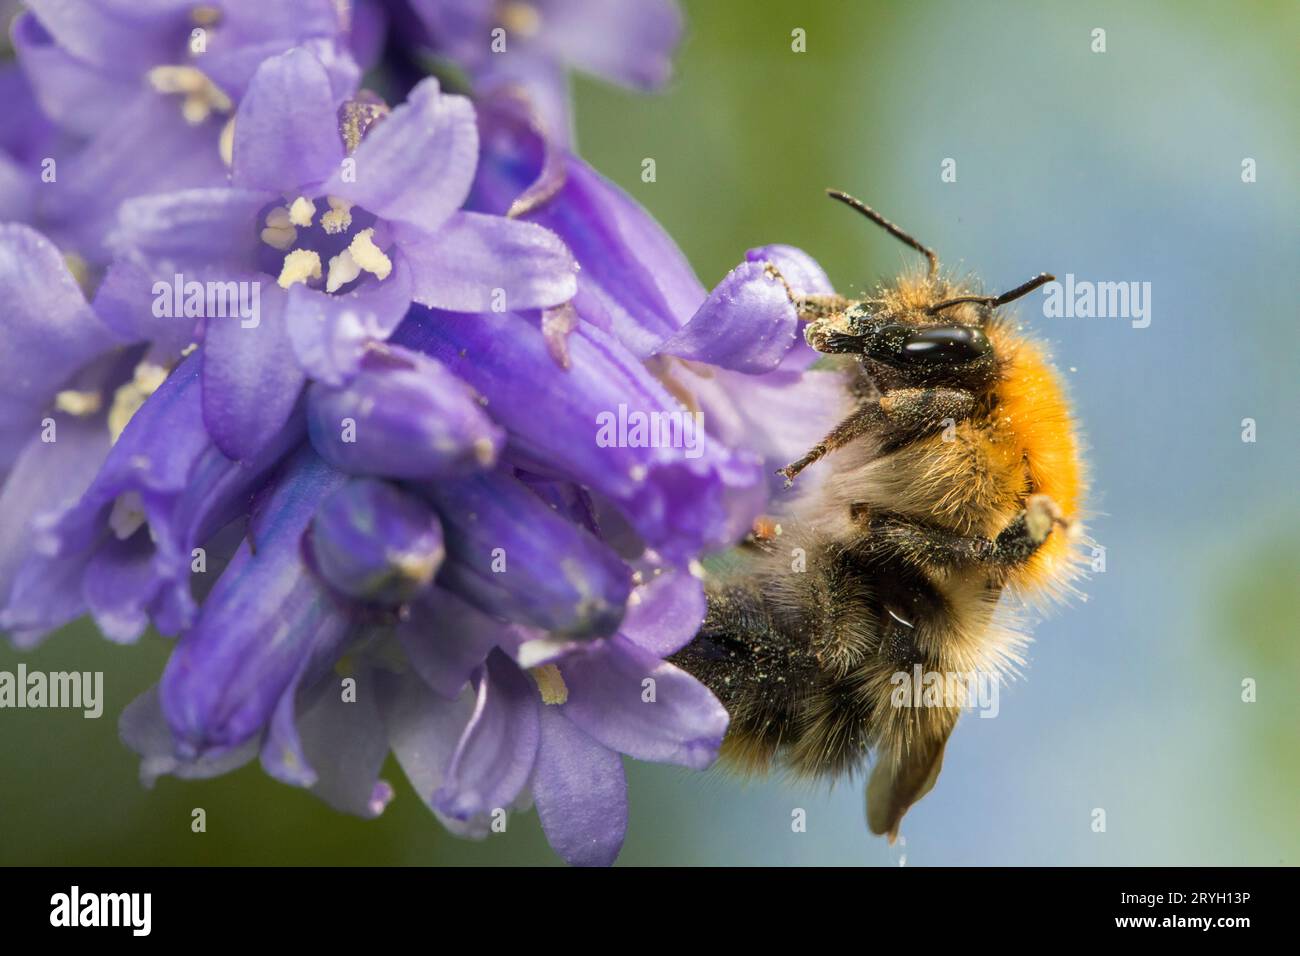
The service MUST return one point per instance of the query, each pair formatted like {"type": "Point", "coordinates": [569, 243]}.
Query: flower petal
{"type": "Point", "coordinates": [72, 92]}
{"type": "Point", "coordinates": [124, 302]}
{"type": "Point", "coordinates": [416, 165]}
{"type": "Point", "coordinates": [509, 554]}
{"type": "Point", "coordinates": [581, 793]}
{"type": "Point", "coordinates": [144, 729]}
{"type": "Point", "coordinates": [800, 270]}
{"type": "Point", "coordinates": [266, 623]}
{"type": "Point", "coordinates": [666, 613]}
{"type": "Point", "coordinates": [330, 333]}
{"type": "Point", "coordinates": [286, 129]}
{"type": "Point", "coordinates": [250, 381]}
{"type": "Point", "coordinates": [609, 424]}
{"type": "Point", "coordinates": [748, 323]}
{"type": "Point", "coordinates": [119, 585]}
{"type": "Point", "coordinates": [345, 742]}
{"type": "Point", "coordinates": [630, 42]}
{"type": "Point", "coordinates": [120, 36]}
{"type": "Point", "coordinates": [48, 331]}
{"type": "Point", "coordinates": [423, 728]}
{"type": "Point", "coordinates": [632, 271]}
{"type": "Point", "coordinates": [478, 263]}
{"type": "Point", "coordinates": [46, 477]}
{"type": "Point", "coordinates": [81, 206]}
{"type": "Point", "coordinates": [446, 640]}
{"type": "Point", "coordinates": [404, 416]}
{"type": "Point", "coordinates": [672, 719]}
{"type": "Point", "coordinates": [190, 231]}
{"type": "Point", "coordinates": [496, 753]}
{"type": "Point", "coordinates": [375, 543]}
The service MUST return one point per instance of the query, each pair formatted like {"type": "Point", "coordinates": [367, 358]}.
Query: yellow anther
{"type": "Point", "coordinates": [339, 217]}
{"type": "Point", "coordinates": [129, 397]}
{"type": "Point", "coordinates": [368, 255]}
{"type": "Point", "coordinates": [417, 568]}
{"type": "Point", "coordinates": [484, 451]}
{"type": "Point", "coordinates": [205, 15]}
{"type": "Point", "coordinates": [201, 95]}
{"type": "Point", "coordinates": [299, 266]}
{"type": "Point", "coordinates": [177, 79]}
{"type": "Point", "coordinates": [522, 19]}
{"type": "Point", "coordinates": [551, 684]}
{"type": "Point", "coordinates": [302, 212]}
{"type": "Point", "coordinates": [78, 403]}
{"type": "Point", "coordinates": [226, 142]}
{"type": "Point", "coordinates": [79, 269]}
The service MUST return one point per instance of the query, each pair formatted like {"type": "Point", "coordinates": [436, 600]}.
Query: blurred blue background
{"type": "Point", "coordinates": [1114, 166]}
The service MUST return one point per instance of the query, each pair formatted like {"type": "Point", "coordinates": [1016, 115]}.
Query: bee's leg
{"type": "Point", "coordinates": [866, 417]}
{"type": "Point", "coordinates": [1014, 545]}
{"type": "Point", "coordinates": [1018, 541]}
{"type": "Point", "coordinates": [897, 417]}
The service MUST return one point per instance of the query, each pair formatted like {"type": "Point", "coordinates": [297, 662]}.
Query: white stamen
{"type": "Point", "coordinates": [127, 516]}
{"type": "Point", "coordinates": [343, 269]}
{"type": "Point", "coordinates": [280, 239]}
{"type": "Point", "coordinates": [279, 232]}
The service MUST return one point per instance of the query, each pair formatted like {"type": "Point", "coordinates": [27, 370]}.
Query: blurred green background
{"type": "Point", "coordinates": [1123, 165]}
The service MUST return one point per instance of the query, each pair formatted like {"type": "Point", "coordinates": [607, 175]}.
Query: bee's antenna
{"type": "Point", "coordinates": [886, 225]}
{"type": "Point", "coordinates": [994, 301]}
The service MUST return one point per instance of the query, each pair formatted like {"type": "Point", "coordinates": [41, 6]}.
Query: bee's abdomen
{"type": "Point", "coordinates": [802, 660]}
{"type": "Point", "coordinates": [757, 664]}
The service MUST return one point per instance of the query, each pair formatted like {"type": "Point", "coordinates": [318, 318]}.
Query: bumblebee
{"type": "Point", "coordinates": [956, 476]}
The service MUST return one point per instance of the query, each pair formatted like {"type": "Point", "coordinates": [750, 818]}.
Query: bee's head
{"type": "Point", "coordinates": [911, 349]}
{"type": "Point", "coordinates": [920, 333]}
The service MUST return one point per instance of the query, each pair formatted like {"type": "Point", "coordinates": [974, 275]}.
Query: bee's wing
{"type": "Point", "coordinates": [898, 781]}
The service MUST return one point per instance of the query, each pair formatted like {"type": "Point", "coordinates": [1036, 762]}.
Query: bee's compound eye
{"type": "Point", "coordinates": [944, 345]}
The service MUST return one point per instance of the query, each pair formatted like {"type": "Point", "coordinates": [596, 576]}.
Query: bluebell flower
{"type": "Point", "coordinates": [442, 491]}
{"type": "Point", "coordinates": [525, 47]}
{"type": "Point", "coordinates": [145, 93]}
{"type": "Point", "coordinates": [342, 213]}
